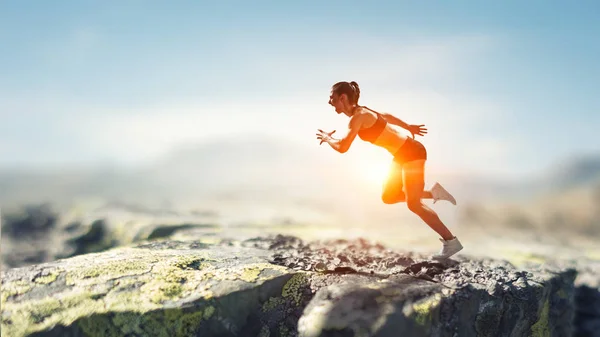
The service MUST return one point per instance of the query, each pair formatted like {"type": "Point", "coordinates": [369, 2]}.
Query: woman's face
{"type": "Point", "coordinates": [336, 101]}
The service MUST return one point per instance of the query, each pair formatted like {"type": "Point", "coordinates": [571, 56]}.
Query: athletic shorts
{"type": "Point", "coordinates": [411, 150]}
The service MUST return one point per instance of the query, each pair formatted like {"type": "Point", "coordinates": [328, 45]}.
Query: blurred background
{"type": "Point", "coordinates": [124, 121]}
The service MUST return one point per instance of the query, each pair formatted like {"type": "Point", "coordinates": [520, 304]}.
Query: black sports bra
{"type": "Point", "coordinates": [370, 134]}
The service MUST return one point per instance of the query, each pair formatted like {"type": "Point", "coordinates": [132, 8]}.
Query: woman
{"type": "Point", "coordinates": [406, 181]}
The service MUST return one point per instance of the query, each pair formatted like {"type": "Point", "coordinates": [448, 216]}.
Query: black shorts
{"type": "Point", "coordinates": [409, 151]}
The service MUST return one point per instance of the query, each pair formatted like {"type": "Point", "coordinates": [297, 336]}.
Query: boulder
{"type": "Point", "coordinates": [42, 233]}
{"type": "Point", "coordinates": [281, 286]}
{"type": "Point", "coordinates": [587, 298]}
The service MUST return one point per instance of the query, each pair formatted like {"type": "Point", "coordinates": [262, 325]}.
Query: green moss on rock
{"type": "Point", "coordinates": [284, 331]}
{"type": "Point", "coordinates": [520, 259]}
{"type": "Point", "coordinates": [174, 277]}
{"type": "Point", "coordinates": [47, 278]}
{"type": "Point", "coordinates": [99, 325]}
{"type": "Point", "coordinates": [272, 303]}
{"type": "Point", "coordinates": [175, 288]}
{"type": "Point", "coordinates": [251, 274]}
{"type": "Point", "coordinates": [102, 272]}
{"type": "Point", "coordinates": [41, 310]}
{"type": "Point", "coordinates": [39, 315]}
{"type": "Point", "coordinates": [14, 288]}
{"type": "Point", "coordinates": [540, 328]}
{"type": "Point", "coordinates": [208, 312]}
{"type": "Point", "coordinates": [562, 294]}
{"type": "Point", "coordinates": [132, 291]}
{"type": "Point", "coordinates": [423, 310]}
{"type": "Point", "coordinates": [293, 288]}
{"type": "Point", "coordinates": [168, 323]}
{"type": "Point", "coordinates": [264, 332]}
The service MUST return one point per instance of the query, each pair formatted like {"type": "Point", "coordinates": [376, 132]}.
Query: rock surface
{"type": "Point", "coordinates": [280, 286]}
{"type": "Point", "coordinates": [35, 234]}
{"type": "Point", "coordinates": [587, 298]}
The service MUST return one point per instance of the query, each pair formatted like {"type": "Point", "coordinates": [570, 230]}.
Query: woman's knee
{"type": "Point", "coordinates": [415, 205]}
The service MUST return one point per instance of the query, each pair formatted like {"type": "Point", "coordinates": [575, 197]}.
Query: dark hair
{"type": "Point", "coordinates": [351, 89]}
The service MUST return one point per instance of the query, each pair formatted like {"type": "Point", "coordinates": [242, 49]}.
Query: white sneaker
{"type": "Point", "coordinates": [440, 193]}
{"type": "Point", "coordinates": [450, 248]}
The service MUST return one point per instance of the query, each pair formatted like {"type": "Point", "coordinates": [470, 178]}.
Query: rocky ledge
{"type": "Point", "coordinates": [281, 286]}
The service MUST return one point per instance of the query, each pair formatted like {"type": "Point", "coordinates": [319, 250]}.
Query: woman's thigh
{"type": "Point", "coordinates": [413, 176]}
{"type": "Point", "coordinates": [393, 186]}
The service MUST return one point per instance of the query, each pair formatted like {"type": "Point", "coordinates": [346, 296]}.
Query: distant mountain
{"type": "Point", "coordinates": [262, 167]}
{"type": "Point", "coordinates": [574, 172]}
{"type": "Point", "coordinates": [257, 164]}
{"type": "Point", "coordinates": [570, 173]}
{"type": "Point", "coordinates": [563, 203]}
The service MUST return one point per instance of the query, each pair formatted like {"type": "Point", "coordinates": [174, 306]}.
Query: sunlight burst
{"type": "Point", "coordinates": [375, 171]}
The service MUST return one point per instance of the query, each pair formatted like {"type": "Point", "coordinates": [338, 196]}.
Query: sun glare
{"type": "Point", "coordinates": [375, 171]}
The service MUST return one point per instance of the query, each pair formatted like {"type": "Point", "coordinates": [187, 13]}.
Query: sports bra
{"type": "Point", "coordinates": [371, 133]}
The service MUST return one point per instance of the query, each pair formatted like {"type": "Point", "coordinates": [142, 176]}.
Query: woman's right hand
{"type": "Point", "coordinates": [324, 136]}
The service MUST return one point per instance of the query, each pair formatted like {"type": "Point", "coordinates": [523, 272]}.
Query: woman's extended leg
{"type": "Point", "coordinates": [413, 174]}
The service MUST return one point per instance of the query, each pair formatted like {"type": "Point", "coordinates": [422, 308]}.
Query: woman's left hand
{"type": "Point", "coordinates": [417, 130]}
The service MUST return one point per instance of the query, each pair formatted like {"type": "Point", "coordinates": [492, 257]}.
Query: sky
{"type": "Point", "coordinates": [504, 87]}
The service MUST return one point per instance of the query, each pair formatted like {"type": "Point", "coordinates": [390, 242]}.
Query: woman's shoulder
{"type": "Point", "coordinates": [365, 112]}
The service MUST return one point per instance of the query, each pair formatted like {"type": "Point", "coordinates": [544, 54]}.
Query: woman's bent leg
{"type": "Point", "coordinates": [414, 180]}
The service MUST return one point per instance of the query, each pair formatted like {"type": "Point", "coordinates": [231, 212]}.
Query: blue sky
{"type": "Point", "coordinates": [504, 87]}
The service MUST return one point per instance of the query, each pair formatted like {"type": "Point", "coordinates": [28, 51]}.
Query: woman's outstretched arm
{"type": "Point", "coordinates": [414, 129]}
{"type": "Point", "coordinates": [394, 120]}
{"type": "Point", "coordinates": [342, 145]}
